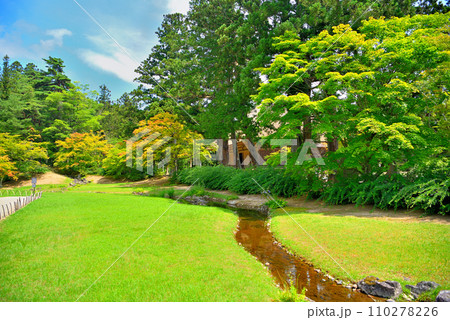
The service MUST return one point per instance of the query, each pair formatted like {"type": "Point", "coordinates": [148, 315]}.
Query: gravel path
{"type": "Point", "coordinates": [8, 200]}
{"type": "Point", "coordinates": [8, 205]}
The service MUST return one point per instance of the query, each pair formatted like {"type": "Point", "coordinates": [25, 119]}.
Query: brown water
{"type": "Point", "coordinates": [254, 235]}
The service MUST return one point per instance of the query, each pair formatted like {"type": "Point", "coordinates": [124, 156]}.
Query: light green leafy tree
{"type": "Point", "coordinates": [379, 93]}
{"type": "Point", "coordinates": [25, 157]}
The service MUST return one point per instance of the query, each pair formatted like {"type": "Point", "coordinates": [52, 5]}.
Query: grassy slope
{"type": "Point", "coordinates": [56, 247]}
{"type": "Point", "coordinates": [390, 250]}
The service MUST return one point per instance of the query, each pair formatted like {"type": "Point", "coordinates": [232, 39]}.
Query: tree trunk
{"type": "Point", "coordinates": [392, 169]}
{"type": "Point", "coordinates": [225, 153]}
{"type": "Point", "coordinates": [333, 145]}
{"type": "Point", "coordinates": [299, 138]}
{"type": "Point", "coordinates": [307, 128]}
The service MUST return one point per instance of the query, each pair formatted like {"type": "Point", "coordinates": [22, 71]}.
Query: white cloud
{"type": "Point", "coordinates": [11, 42]}
{"type": "Point", "coordinates": [178, 6]}
{"type": "Point", "coordinates": [118, 64]}
{"type": "Point", "coordinates": [58, 35]}
{"type": "Point", "coordinates": [135, 41]}
{"type": "Point", "coordinates": [107, 56]}
{"type": "Point", "coordinates": [57, 39]}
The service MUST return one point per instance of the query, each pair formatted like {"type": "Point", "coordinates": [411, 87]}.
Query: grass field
{"type": "Point", "coordinates": [56, 247]}
{"type": "Point", "coordinates": [390, 250]}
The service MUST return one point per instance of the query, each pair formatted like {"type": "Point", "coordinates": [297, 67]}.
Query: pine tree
{"type": "Point", "coordinates": [5, 82]}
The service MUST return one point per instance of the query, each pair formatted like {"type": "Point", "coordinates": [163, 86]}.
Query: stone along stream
{"type": "Point", "coordinates": [254, 235]}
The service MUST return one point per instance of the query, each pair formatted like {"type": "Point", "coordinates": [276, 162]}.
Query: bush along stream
{"type": "Point", "coordinates": [254, 235]}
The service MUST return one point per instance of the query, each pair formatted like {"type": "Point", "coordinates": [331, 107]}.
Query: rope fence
{"type": "Point", "coordinates": [17, 193]}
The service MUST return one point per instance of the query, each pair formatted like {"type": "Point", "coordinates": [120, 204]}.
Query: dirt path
{"type": "Point", "coordinates": [102, 180]}
{"type": "Point", "coordinates": [8, 200]}
{"type": "Point", "coordinates": [318, 206]}
{"type": "Point", "coordinates": [45, 178]}
{"type": "Point", "coordinates": [154, 182]}
{"type": "Point", "coordinates": [54, 178]}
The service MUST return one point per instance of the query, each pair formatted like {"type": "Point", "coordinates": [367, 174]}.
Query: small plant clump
{"type": "Point", "coordinates": [291, 295]}
{"type": "Point", "coordinates": [275, 203]}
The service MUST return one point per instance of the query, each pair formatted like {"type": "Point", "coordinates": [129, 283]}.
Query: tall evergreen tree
{"type": "Point", "coordinates": [169, 81]}
{"type": "Point", "coordinates": [5, 82]}
{"type": "Point", "coordinates": [104, 96]}
{"type": "Point", "coordinates": [53, 79]}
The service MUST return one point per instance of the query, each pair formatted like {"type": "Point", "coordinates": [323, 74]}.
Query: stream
{"type": "Point", "coordinates": [254, 235]}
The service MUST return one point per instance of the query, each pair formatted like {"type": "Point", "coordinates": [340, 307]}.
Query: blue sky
{"type": "Point", "coordinates": [34, 29]}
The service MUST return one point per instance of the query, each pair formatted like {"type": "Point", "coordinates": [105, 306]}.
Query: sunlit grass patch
{"type": "Point", "coordinates": [58, 246]}
{"type": "Point", "coordinates": [408, 252]}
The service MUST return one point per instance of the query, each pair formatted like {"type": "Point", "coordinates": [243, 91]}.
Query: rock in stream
{"type": "Point", "coordinates": [422, 287]}
{"type": "Point", "coordinates": [384, 289]}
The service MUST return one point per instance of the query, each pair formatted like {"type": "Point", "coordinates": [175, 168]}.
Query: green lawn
{"type": "Point", "coordinates": [390, 250]}
{"type": "Point", "coordinates": [56, 247]}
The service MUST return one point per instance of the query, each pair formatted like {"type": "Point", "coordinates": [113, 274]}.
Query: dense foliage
{"type": "Point", "coordinates": [369, 79]}
{"type": "Point", "coordinates": [20, 158]}
{"type": "Point", "coordinates": [247, 181]}
{"type": "Point", "coordinates": [81, 154]}
{"type": "Point", "coordinates": [379, 98]}
{"type": "Point", "coordinates": [44, 108]}
{"type": "Point", "coordinates": [115, 165]}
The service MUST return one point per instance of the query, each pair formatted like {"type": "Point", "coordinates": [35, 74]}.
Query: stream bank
{"type": "Point", "coordinates": [254, 235]}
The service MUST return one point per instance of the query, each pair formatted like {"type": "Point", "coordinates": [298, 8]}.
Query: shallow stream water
{"type": "Point", "coordinates": [254, 235]}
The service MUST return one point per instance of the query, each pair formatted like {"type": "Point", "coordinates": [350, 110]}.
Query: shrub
{"type": "Point", "coordinates": [432, 196]}
{"type": "Point", "coordinates": [215, 178]}
{"type": "Point", "coordinates": [242, 181]}
{"type": "Point", "coordinates": [171, 193]}
{"type": "Point", "coordinates": [378, 192]}
{"type": "Point", "coordinates": [254, 180]}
